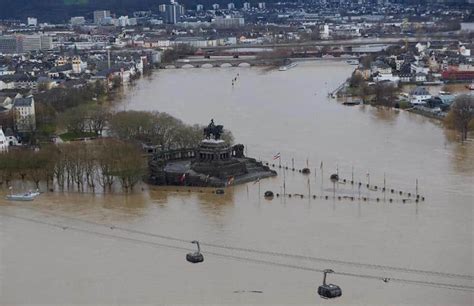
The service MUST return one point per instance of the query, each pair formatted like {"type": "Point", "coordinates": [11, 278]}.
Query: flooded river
{"type": "Point", "coordinates": [55, 250]}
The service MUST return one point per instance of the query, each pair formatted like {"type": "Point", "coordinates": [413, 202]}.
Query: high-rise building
{"type": "Point", "coordinates": [25, 43]}
{"type": "Point", "coordinates": [171, 14]}
{"type": "Point", "coordinates": [215, 6]}
{"type": "Point", "coordinates": [262, 5]}
{"type": "Point", "coordinates": [231, 6]}
{"type": "Point", "coordinates": [173, 11]}
{"type": "Point", "coordinates": [246, 6]}
{"type": "Point", "coordinates": [199, 7]}
{"type": "Point", "coordinates": [229, 22]}
{"type": "Point", "coordinates": [30, 43]}
{"type": "Point", "coordinates": [46, 42]}
{"type": "Point", "coordinates": [99, 16]}
{"type": "Point", "coordinates": [162, 8]}
{"type": "Point", "coordinates": [8, 44]}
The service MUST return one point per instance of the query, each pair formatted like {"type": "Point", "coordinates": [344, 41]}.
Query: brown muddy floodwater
{"type": "Point", "coordinates": [269, 112]}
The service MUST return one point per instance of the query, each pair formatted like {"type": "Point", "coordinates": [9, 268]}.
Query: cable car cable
{"type": "Point", "coordinates": [259, 261]}
{"type": "Point", "coordinates": [271, 253]}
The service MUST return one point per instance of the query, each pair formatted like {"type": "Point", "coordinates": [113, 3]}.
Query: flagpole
{"type": "Point", "coordinates": [322, 178]}
{"type": "Point", "coordinates": [417, 188]}
{"type": "Point", "coordinates": [309, 188]}
{"type": "Point", "coordinates": [352, 174]}
{"type": "Point", "coordinates": [284, 182]}
{"type": "Point", "coordinates": [292, 163]}
{"type": "Point", "coordinates": [384, 187]}
{"type": "Point", "coordinates": [258, 188]}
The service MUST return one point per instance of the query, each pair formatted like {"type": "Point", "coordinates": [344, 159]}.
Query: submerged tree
{"type": "Point", "coordinates": [461, 115]}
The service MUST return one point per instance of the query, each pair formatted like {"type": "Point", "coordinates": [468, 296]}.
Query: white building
{"type": "Point", "coordinates": [100, 16]}
{"type": "Point", "coordinates": [215, 6]}
{"type": "Point", "coordinates": [246, 6]}
{"type": "Point", "coordinates": [24, 114]}
{"type": "Point", "coordinates": [78, 20]}
{"type": "Point", "coordinates": [77, 65]}
{"type": "Point", "coordinates": [262, 5]}
{"type": "Point", "coordinates": [199, 7]}
{"type": "Point", "coordinates": [325, 32]}
{"type": "Point", "coordinates": [3, 141]}
{"type": "Point", "coordinates": [419, 95]}
{"type": "Point", "coordinates": [32, 22]}
{"type": "Point", "coordinates": [229, 22]}
{"type": "Point", "coordinates": [231, 6]}
{"type": "Point", "coordinates": [122, 21]}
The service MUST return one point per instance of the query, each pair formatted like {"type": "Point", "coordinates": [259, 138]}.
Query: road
{"type": "Point", "coordinates": [347, 42]}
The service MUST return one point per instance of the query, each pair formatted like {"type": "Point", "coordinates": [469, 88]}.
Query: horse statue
{"type": "Point", "coordinates": [214, 130]}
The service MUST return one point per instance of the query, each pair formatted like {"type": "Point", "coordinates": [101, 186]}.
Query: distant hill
{"type": "Point", "coordinates": [62, 10]}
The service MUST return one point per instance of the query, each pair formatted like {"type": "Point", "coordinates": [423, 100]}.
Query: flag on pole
{"type": "Point", "coordinates": [182, 178]}
{"type": "Point", "coordinates": [276, 156]}
{"type": "Point", "coordinates": [230, 181]}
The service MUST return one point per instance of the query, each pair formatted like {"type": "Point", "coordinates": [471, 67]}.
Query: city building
{"type": "Point", "coordinates": [123, 21]}
{"type": "Point", "coordinates": [77, 65]}
{"type": "Point", "coordinates": [229, 22]}
{"type": "Point", "coordinates": [262, 5]}
{"type": "Point", "coordinates": [172, 12]}
{"type": "Point", "coordinates": [32, 22]}
{"type": "Point", "coordinates": [24, 114]}
{"type": "Point", "coordinates": [419, 95]}
{"type": "Point", "coordinates": [162, 8]}
{"type": "Point", "coordinates": [9, 44]}
{"type": "Point", "coordinates": [215, 6]}
{"type": "Point", "coordinates": [231, 6]}
{"type": "Point", "coordinates": [99, 16]}
{"type": "Point", "coordinates": [199, 7]}
{"type": "Point", "coordinates": [246, 6]}
{"type": "Point", "coordinates": [78, 20]}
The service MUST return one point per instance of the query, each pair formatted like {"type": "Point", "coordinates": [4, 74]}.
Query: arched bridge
{"type": "Point", "coordinates": [219, 63]}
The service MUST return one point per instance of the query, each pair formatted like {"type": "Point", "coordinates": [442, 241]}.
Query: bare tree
{"type": "Point", "coordinates": [461, 115]}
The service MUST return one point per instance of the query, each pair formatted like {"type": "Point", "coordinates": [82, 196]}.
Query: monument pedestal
{"type": "Point", "coordinates": [216, 158]}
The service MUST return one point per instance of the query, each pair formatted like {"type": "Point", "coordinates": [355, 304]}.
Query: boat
{"type": "Point", "coordinates": [353, 62]}
{"type": "Point", "coordinates": [352, 102]}
{"type": "Point", "coordinates": [28, 196]}
{"type": "Point", "coordinates": [286, 67]}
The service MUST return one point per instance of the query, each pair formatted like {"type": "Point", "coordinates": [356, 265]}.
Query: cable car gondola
{"type": "Point", "coordinates": [195, 257]}
{"type": "Point", "coordinates": [329, 291]}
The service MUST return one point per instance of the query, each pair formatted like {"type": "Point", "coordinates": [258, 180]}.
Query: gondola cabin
{"type": "Point", "coordinates": [329, 291]}
{"type": "Point", "coordinates": [195, 257]}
